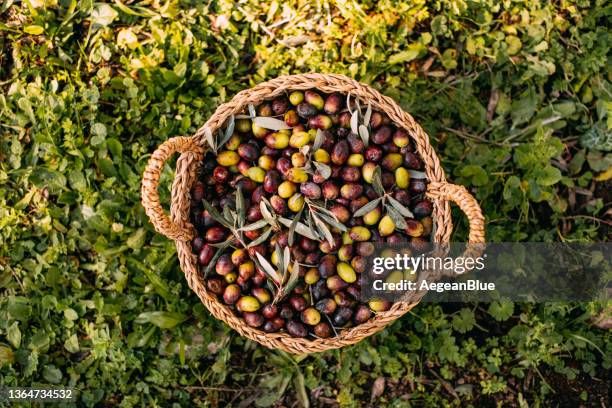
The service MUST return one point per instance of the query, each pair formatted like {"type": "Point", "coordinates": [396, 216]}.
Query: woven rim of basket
{"type": "Point", "coordinates": [186, 174]}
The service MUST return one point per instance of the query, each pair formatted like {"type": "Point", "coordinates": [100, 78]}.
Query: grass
{"type": "Point", "coordinates": [516, 98]}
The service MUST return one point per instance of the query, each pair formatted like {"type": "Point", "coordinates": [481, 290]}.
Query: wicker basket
{"type": "Point", "coordinates": [178, 227]}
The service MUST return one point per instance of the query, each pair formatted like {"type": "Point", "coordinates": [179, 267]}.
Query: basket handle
{"type": "Point", "coordinates": [468, 204]}
{"type": "Point", "coordinates": [150, 183]}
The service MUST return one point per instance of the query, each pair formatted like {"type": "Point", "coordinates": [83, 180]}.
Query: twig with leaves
{"type": "Point", "coordinates": [215, 143]}
{"type": "Point", "coordinates": [283, 278]}
{"type": "Point", "coordinates": [361, 129]}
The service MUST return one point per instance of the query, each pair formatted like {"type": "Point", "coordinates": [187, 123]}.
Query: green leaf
{"type": "Point", "coordinates": [501, 310]}
{"type": "Point", "coordinates": [137, 239]}
{"type": "Point", "coordinates": [377, 181]}
{"type": "Point", "coordinates": [477, 174]}
{"type": "Point", "coordinates": [464, 321]}
{"type": "Point", "coordinates": [34, 29]}
{"type": "Point", "coordinates": [548, 176]}
{"type": "Point", "coordinates": [413, 52]}
{"type": "Point", "coordinates": [103, 15]}
{"type": "Point", "coordinates": [164, 320]}
{"type": "Point", "coordinates": [367, 208]}
{"type": "Point", "coordinates": [14, 335]}
{"type": "Point", "coordinates": [52, 374]}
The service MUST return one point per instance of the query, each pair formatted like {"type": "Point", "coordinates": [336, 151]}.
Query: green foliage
{"type": "Point", "coordinates": [515, 97]}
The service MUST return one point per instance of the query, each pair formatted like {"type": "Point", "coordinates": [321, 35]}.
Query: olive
{"type": "Point", "coordinates": [247, 304]}
{"type": "Point", "coordinates": [206, 254]}
{"type": "Point", "coordinates": [280, 105]}
{"type": "Point", "coordinates": [314, 99]}
{"type": "Point", "coordinates": [259, 278]}
{"type": "Point", "coordinates": [346, 272]}
{"type": "Point", "coordinates": [197, 193]}
{"type": "Point", "coordinates": [354, 291]}
{"type": "Point", "coordinates": [221, 174]}
{"type": "Point", "coordinates": [295, 202]}
{"type": "Point", "coordinates": [254, 213]}
{"type": "Point", "coordinates": [359, 264]}
{"type": "Point", "coordinates": [311, 316]}
{"type": "Point", "coordinates": [264, 109]}
{"type": "Point", "coordinates": [344, 120]}
{"type": "Point", "coordinates": [355, 205]}
{"type": "Point", "coordinates": [402, 177]}
{"type": "Point", "coordinates": [262, 295]}
{"type": "Point", "coordinates": [327, 267]}
{"type": "Point", "coordinates": [296, 97]}
{"type": "Point", "coordinates": [340, 152]}
{"type": "Point", "coordinates": [368, 171]}
{"type": "Point", "coordinates": [386, 226]}
{"type": "Point", "coordinates": [246, 270]}
{"type": "Point", "coordinates": [423, 208]}
{"type": "Point", "coordinates": [342, 299]}
{"type": "Point", "coordinates": [403, 197]}
{"type": "Point", "coordinates": [312, 276]}
{"type": "Point", "coordinates": [291, 118]}
{"type": "Point", "coordinates": [243, 125]}
{"type": "Point", "coordinates": [257, 249]}
{"type": "Point", "coordinates": [286, 312]}
{"type": "Point", "coordinates": [414, 228]}
{"type": "Point", "coordinates": [319, 290]}
{"type": "Point", "coordinates": [297, 175]}
{"type": "Point", "coordinates": [224, 265]}
{"type": "Point", "coordinates": [382, 135]}
{"type": "Point", "coordinates": [298, 303]}
{"type": "Point", "coordinates": [258, 194]}
{"type": "Point", "coordinates": [351, 191]}
{"type": "Point", "coordinates": [390, 148]}
{"type": "Point", "coordinates": [253, 319]}
{"type": "Point", "coordinates": [427, 223]}
{"type": "Point", "coordinates": [395, 239]}
{"type": "Point", "coordinates": [392, 161]}
{"type": "Point", "coordinates": [306, 110]}
{"type": "Point", "coordinates": [248, 151]}
{"type": "Point", "coordinates": [279, 205]}
{"type": "Point", "coordinates": [378, 305]}
{"type": "Point", "coordinates": [320, 122]}
{"type": "Point", "coordinates": [417, 186]}
{"type": "Point", "coordinates": [228, 158]}
{"type": "Point", "coordinates": [296, 329]}
{"type": "Point", "coordinates": [345, 253]}
{"type": "Point", "coordinates": [312, 258]}
{"type": "Point", "coordinates": [373, 154]}
{"type": "Point", "coordinates": [286, 189]}
{"type": "Point", "coordinates": [355, 143]}
{"type": "Point", "coordinates": [330, 190]}
{"type": "Point", "coordinates": [299, 139]}
{"type": "Point", "coordinates": [271, 181]}
{"type": "Point", "coordinates": [400, 138]}
{"type": "Point", "coordinates": [268, 151]}
{"type": "Point", "coordinates": [277, 140]}
{"type": "Point", "coordinates": [350, 174]}
{"type": "Point", "coordinates": [231, 294]}
{"type": "Point", "coordinates": [266, 162]}
{"type": "Point", "coordinates": [282, 238]}
{"type": "Point", "coordinates": [246, 185]}
{"type": "Point", "coordinates": [215, 285]}
{"type": "Point", "coordinates": [326, 306]}
{"type": "Point", "coordinates": [197, 243]}
{"type": "Point", "coordinates": [258, 131]}
{"type": "Point", "coordinates": [257, 174]}
{"type": "Point", "coordinates": [365, 248]}
{"type": "Point", "coordinates": [321, 156]}
{"type": "Point", "coordinates": [372, 217]}
{"type": "Point", "coordinates": [310, 190]}
{"type": "Point", "coordinates": [215, 234]}
{"type": "Point", "coordinates": [342, 316]}
{"type": "Point", "coordinates": [335, 283]}
{"type": "Point", "coordinates": [412, 161]}
{"type": "Point", "coordinates": [355, 160]}
{"type": "Point", "coordinates": [340, 212]}
{"type": "Point", "coordinates": [326, 247]}
{"type": "Point", "coordinates": [332, 105]}
{"type": "Point", "coordinates": [362, 314]}
{"type": "Point", "coordinates": [388, 179]}
{"type": "Point", "coordinates": [269, 311]}
{"type": "Point", "coordinates": [376, 119]}
{"type": "Point", "coordinates": [322, 330]}
{"type": "Point", "coordinates": [234, 141]}
{"type": "Point", "coordinates": [359, 234]}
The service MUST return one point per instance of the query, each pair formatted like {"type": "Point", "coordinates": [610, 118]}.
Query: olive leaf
{"type": "Point", "coordinates": [293, 278]}
{"type": "Point", "coordinates": [254, 226]}
{"type": "Point", "coordinates": [377, 181]}
{"type": "Point", "coordinates": [252, 111]}
{"type": "Point", "coordinates": [323, 169]}
{"type": "Point", "coordinates": [400, 208]}
{"type": "Point", "coordinates": [367, 208]}
{"type": "Point", "coordinates": [268, 269]}
{"type": "Point", "coordinates": [368, 115]}
{"type": "Point", "coordinates": [397, 218]}
{"type": "Point", "coordinates": [221, 247]}
{"type": "Point", "coordinates": [364, 133]}
{"type": "Point", "coordinates": [286, 259]}
{"type": "Point", "coordinates": [240, 206]}
{"type": "Point", "coordinates": [264, 206]}
{"type": "Point", "coordinates": [300, 228]}
{"type": "Point", "coordinates": [294, 224]}
{"type": "Point", "coordinates": [348, 103]}
{"type": "Point", "coordinates": [417, 174]}
{"type": "Point", "coordinates": [333, 221]}
{"type": "Point", "coordinates": [355, 122]}
{"type": "Point", "coordinates": [319, 139]}
{"type": "Point", "coordinates": [261, 239]}
{"type": "Point", "coordinates": [229, 131]}
{"type": "Point", "coordinates": [215, 214]}
{"type": "Point", "coordinates": [323, 229]}
{"type": "Point", "coordinates": [210, 139]}
{"type": "Point", "coordinates": [270, 123]}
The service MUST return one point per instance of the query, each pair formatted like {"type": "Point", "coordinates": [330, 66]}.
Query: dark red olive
{"type": "Point", "coordinates": [306, 110]}
{"type": "Point", "coordinates": [224, 265]}
{"type": "Point", "coordinates": [298, 303]}
{"type": "Point", "coordinates": [370, 192]}
{"type": "Point", "coordinates": [423, 209]}
{"type": "Point", "coordinates": [328, 140]}
{"type": "Point", "coordinates": [319, 290]}
{"type": "Point", "coordinates": [328, 248]}
{"type": "Point", "coordinates": [359, 264]}
{"type": "Point", "coordinates": [342, 299]}
{"type": "Point", "coordinates": [417, 186]}
{"type": "Point", "coordinates": [362, 314]}
{"type": "Point", "coordinates": [388, 179]}
{"type": "Point", "coordinates": [221, 174]}
{"type": "Point", "coordinates": [350, 174]}
{"type": "Point", "coordinates": [197, 192]}
{"type": "Point", "coordinates": [252, 234]}
{"type": "Point", "coordinates": [355, 143]}
{"type": "Point", "coordinates": [274, 325]}
{"type": "Point", "coordinates": [344, 120]}
{"type": "Point", "coordinates": [243, 167]}
{"type": "Point", "coordinates": [351, 191]}
{"type": "Point", "coordinates": [291, 118]}
{"type": "Point", "coordinates": [247, 185]}
{"type": "Point", "coordinates": [342, 316]}
{"type": "Point", "coordinates": [197, 243]}
{"type": "Point", "coordinates": [335, 283]}
{"type": "Point", "coordinates": [279, 105]}
{"type": "Point", "coordinates": [283, 165]}
{"type": "Point", "coordinates": [310, 190]}
{"type": "Point", "coordinates": [259, 278]}
{"type": "Point", "coordinates": [382, 135]}
{"type": "Point", "coordinates": [245, 284]}
{"type": "Point", "coordinates": [215, 285]}
{"type": "Point", "coordinates": [412, 161]}
{"type": "Point", "coordinates": [373, 154]}
{"type": "Point", "coordinates": [297, 254]}
{"type": "Point", "coordinates": [312, 258]}
{"type": "Point", "coordinates": [357, 203]}
{"type": "Point", "coordinates": [354, 291]}
{"type": "Point", "coordinates": [340, 153]}
{"type": "Point", "coordinates": [270, 151]}
{"type": "Point", "coordinates": [308, 244]}
{"type": "Point", "coordinates": [364, 248]}
{"type": "Point", "coordinates": [323, 330]}
{"type": "Point", "coordinates": [286, 312]}
{"type": "Point", "coordinates": [207, 219]}
{"type": "Point", "coordinates": [206, 254]}
{"type": "Point", "coordinates": [231, 294]}
{"type": "Point", "coordinates": [257, 249]}
{"type": "Point", "coordinates": [269, 311]}
{"type": "Point", "coordinates": [402, 196]}
{"type": "Point", "coordinates": [248, 151]}
{"type": "Point", "coordinates": [341, 212]}
{"type": "Point", "coordinates": [257, 195]}
{"type": "Point", "coordinates": [215, 234]}
{"type": "Point", "coordinates": [319, 122]}
{"type": "Point", "coordinates": [333, 103]}
{"type": "Point", "coordinates": [296, 329]}
{"type": "Point", "coordinates": [327, 267]}
{"type": "Point", "coordinates": [253, 319]}
{"type": "Point", "coordinates": [376, 120]}
{"type": "Point", "coordinates": [326, 306]}
{"type": "Point", "coordinates": [254, 213]}
{"type": "Point", "coordinates": [330, 190]}
{"type": "Point", "coordinates": [279, 205]}
{"type": "Point", "coordinates": [272, 180]}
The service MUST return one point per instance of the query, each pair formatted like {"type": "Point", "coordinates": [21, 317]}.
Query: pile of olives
{"type": "Point", "coordinates": [280, 167]}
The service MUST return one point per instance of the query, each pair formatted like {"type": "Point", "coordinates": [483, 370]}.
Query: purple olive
{"type": "Point", "coordinates": [355, 143]}
{"type": "Point", "coordinates": [272, 180]}
{"type": "Point", "coordinates": [330, 190]}
{"type": "Point", "coordinates": [306, 110]}
{"type": "Point", "coordinates": [373, 154]}
{"type": "Point", "coordinates": [340, 153]}
{"type": "Point", "coordinates": [279, 105]}
{"type": "Point", "coordinates": [283, 165]}
{"type": "Point", "coordinates": [350, 174]}
{"type": "Point", "coordinates": [382, 135]}
{"type": "Point", "coordinates": [423, 208]}
{"type": "Point", "coordinates": [248, 151]}
{"type": "Point", "coordinates": [417, 186]}
{"type": "Point", "coordinates": [342, 316]}
{"type": "Point", "coordinates": [253, 319]}
{"type": "Point", "coordinates": [376, 120]}
{"type": "Point", "coordinates": [298, 303]}
{"type": "Point", "coordinates": [362, 314]}
{"type": "Point", "coordinates": [412, 161]}
{"type": "Point", "coordinates": [215, 234]}
{"type": "Point", "coordinates": [351, 191]}
{"type": "Point", "coordinates": [296, 329]}
{"type": "Point", "coordinates": [215, 285]}
{"type": "Point", "coordinates": [197, 243]}
{"type": "Point", "coordinates": [310, 190]}
{"type": "Point", "coordinates": [344, 120]}
{"type": "Point", "coordinates": [327, 267]}
{"type": "Point", "coordinates": [333, 103]}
